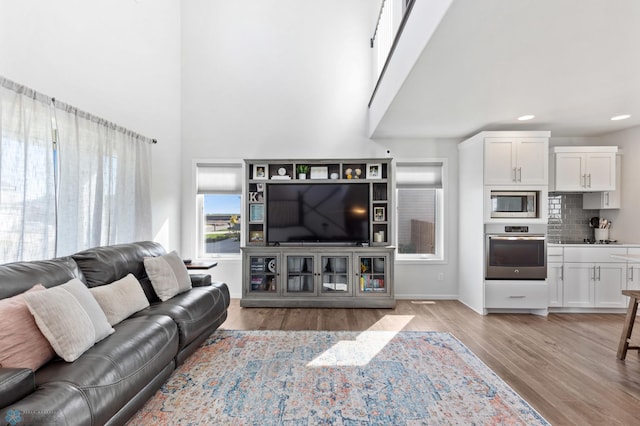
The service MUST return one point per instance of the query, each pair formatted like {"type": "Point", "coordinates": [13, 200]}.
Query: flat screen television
{"type": "Point", "coordinates": [317, 213]}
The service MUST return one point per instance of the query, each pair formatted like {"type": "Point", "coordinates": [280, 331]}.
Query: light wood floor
{"type": "Point", "coordinates": [564, 365]}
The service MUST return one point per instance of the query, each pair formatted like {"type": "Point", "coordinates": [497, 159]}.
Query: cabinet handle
{"type": "Point", "coordinates": [515, 175]}
{"type": "Point", "coordinates": [598, 273]}
{"type": "Point", "coordinates": [630, 273]}
{"type": "Point", "coordinates": [517, 297]}
{"type": "Point", "coordinates": [606, 199]}
{"type": "Point", "coordinates": [589, 180]}
{"type": "Point", "coordinates": [593, 273]}
{"type": "Point", "coordinates": [519, 174]}
{"type": "Point", "coordinates": [562, 273]}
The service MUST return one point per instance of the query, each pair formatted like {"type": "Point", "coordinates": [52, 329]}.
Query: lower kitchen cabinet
{"type": "Point", "coordinates": [555, 283]}
{"type": "Point", "coordinates": [588, 278]}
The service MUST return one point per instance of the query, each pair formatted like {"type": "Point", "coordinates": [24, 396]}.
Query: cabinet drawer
{"type": "Point", "coordinates": [516, 295]}
{"type": "Point", "coordinates": [592, 254]}
{"type": "Point", "coordinates": [554, 251]}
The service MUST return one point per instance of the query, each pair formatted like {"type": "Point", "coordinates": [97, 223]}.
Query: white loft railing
{"type": "Point", "coordinates": [391, 19]}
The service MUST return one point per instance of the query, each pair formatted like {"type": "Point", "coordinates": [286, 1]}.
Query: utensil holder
{"type": "Point", "coordinates": [600, 234]}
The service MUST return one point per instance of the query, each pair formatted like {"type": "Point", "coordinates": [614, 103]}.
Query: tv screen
{"type": "Point", "coordinates": [318, 212]}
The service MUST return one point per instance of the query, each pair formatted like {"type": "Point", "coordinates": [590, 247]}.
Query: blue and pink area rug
{"type": "Point", "coordinates": [335, 378]}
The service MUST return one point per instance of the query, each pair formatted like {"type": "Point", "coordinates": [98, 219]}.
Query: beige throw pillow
{"type": "Point", "coordinates": [120, 299]}
{"type": "Point", "coordinates": [69, 317]}
{"type": "Point", "coordinates": [23, 344]}
{"type": "Point", "coordinates": [168, 275]}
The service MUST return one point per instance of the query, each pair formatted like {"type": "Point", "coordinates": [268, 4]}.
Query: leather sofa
{"type": "Point", "coordinates": [114, 378]}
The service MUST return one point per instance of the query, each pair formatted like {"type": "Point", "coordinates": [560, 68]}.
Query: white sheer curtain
{"type": "Point", "coordinates": [27, 191]}
{"type": "Point", "coordinates": [103, 179]}
{"type": "Point", "coordinates": [104, 183]}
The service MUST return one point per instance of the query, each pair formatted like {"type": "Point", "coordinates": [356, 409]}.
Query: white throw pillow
{"type": "Point", "coordinates": [120, 299]}
{"type": "Point", "coordinates": [168, 275]}
{"type": "Point", "coordinates": [69, 317]}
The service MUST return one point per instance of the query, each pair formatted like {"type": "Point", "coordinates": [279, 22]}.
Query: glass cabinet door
{"type": "Point", "coordinates": [263, 274]}
{"type": "Point", "coordinates": [335, 275]}
{"type": "Point", "coordinates": [300, 275]}
{"type": "Point", "coordinates": [373, 278]}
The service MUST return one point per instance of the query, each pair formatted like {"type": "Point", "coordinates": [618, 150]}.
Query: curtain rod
{"type": "Point", "coordinates": [19, 88]}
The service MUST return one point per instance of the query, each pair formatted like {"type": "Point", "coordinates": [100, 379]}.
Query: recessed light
{"type": "Point", "coordinates": [526, 117]}
{"type": "Point", "coordinates": [620, 117]}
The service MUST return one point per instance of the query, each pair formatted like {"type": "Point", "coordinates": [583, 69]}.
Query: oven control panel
{"type": "Point", "coordinates": [522, 229]}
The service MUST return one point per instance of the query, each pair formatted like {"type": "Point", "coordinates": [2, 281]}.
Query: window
{"type": "Point", "coordinates": [419, 210]}
{"type": "Point", "coordinates": [219, 188]}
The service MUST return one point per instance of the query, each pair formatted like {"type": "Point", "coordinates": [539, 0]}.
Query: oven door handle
{"type": "Point", "coordinates": [523, 237]}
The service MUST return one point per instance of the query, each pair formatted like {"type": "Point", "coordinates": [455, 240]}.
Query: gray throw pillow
{"type": "Point", "coordinates": [168, 275]}
{"type": "Point", "coordinates": [120, 299]}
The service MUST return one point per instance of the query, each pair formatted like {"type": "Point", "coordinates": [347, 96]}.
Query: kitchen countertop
{"type": "Point", "coordinates": [583, 244]}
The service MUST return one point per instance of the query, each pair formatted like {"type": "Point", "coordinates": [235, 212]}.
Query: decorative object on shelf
{"type": "Point", "coordinates": [357, 173]}
{"type": "Point", "coordinates": [256, 213]}
{"type": "Point", "coordinates": [256, 197]}
{"type": "Point", "coordinates": [282, 171]}
{"type": "Point", "coordinates": [378, 214]}
{"type": "Point", "coordinates": [259, 171]}
{"type": "Point", "coordinates": [319, 172]}
{"type": "Point", "coordinates": [260, 187]}
{"type": "Point", "coordinates": [302, 170]}
{"type": "Point", "coordinates": [374, 171]}
{"type": "Point", "coordinates": [271, 265]}
{"type": "Point", "coordinates": [256, 236]}
{"type": "Point", "coordinates": [334, 175]}
{"type": "Point", "coordinates": [348, 173]}
{"type": "Point", "coordinates": [378, 237]}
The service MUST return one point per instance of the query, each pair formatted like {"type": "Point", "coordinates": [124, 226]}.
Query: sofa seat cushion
{"type": "Point", "coordinates": [193, 311]}
{"type": "Point", "coordinates": [114, 370]}
{"type": "Point", "coordinates": [15, 383]}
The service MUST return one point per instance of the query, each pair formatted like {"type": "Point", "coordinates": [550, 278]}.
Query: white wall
{"type": "Point", "coordinates": [625, 225]}
{"type": "Point", "coordinates": [119, 60]}
{"type": "Point", "coordinates": [272, 79]}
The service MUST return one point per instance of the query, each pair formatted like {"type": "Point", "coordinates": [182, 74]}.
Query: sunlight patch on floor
{"type": "Point", "coordinates": [366, 346]}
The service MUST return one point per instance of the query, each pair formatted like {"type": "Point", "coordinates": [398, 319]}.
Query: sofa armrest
{"type": "Point", "coordinates": [15, 384]}
{"type": "Point", "coordinates": [200, 280]}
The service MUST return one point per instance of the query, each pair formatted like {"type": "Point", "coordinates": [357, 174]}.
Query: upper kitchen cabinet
{"type": "Point", "coordinates": [516, 160]}
{"type": "Point", "coordinates": [606, 199]}
{"type": "Point", "coordinates": [583, 168]}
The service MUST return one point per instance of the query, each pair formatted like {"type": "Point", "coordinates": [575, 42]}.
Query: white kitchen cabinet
{"type": "Point", "coordinates": [584, 169]}
{"type": "Point", "coordinates": [555, 282]}
{"type": "Point", "coordinates": [516, 161]}
{"type": "Point", "coordinates": [605, 199]}
{"type": "Point", "coordinates": [592, 279]}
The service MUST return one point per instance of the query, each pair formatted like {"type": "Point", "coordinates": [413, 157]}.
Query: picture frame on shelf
{"type": "Point", "coordinates": [374, 171]}
{"type": "Point", "coordinates": [260, 171]}
{"type": "Point", "coordinates": [256, 213]}
{"type": "Point", "coordinates": [379, 214]}
{"type": "Point", "coordinates": [319, 172]}
{"type": "Point", "coordinates": [256, 236]}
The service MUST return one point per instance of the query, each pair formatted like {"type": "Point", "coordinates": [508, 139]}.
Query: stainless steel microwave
{"type": "Point", "coordinates": [514, 204]}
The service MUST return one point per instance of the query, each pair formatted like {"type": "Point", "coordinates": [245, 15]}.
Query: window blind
{"type": "Point", "coordinates": [219, 178]}
{"type": "Point", "coordinates": [419, 175]}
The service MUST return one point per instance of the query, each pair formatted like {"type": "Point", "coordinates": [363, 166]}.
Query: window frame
{"type": "Point", "coordinates": [441, 214]}
{"type": "Point", "coordinates": [200, 213]}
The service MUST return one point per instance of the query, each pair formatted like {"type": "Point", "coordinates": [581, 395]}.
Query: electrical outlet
{"type": "Point", "coordinates": [440, 276]}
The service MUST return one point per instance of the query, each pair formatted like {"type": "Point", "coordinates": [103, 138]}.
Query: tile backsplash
{"type": "Point", "coordinates": [567, 220]}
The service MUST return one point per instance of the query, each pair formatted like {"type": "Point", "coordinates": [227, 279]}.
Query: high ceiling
{"type": "Point", "coordinates": [572, 63]}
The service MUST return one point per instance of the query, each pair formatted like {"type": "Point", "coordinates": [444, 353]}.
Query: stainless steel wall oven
{"type": "Point", "coordinates": [516, 252]}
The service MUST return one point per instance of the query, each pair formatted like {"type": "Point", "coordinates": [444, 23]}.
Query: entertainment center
{"type": "Point", "coordinates": [318, 234]}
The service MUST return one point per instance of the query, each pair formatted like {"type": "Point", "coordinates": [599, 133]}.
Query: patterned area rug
{"type": "Point", "coordinates": [335, 378]}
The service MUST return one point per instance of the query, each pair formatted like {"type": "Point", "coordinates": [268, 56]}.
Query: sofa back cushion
{"type": "Point", "coordinates": [104, 265]}
{"type": "Point", "coordinates": [18, 277]}
{"type": "Point", "coordinates": [120, 299]}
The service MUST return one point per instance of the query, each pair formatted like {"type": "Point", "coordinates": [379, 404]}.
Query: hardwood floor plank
{"type": "Point", "coordinates": [564, 365]}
